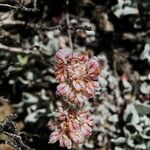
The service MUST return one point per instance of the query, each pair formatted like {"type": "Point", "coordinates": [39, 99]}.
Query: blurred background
{"type": "Point", "coordinates": [116, 31]}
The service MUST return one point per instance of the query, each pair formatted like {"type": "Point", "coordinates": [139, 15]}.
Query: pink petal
{"type": "Point", "coordinates": [89, 88]}
{"type": "Point", "coordinates": [78, 85]}
{"type": "Point", "coordinates": [54, 137]}
{"type": "Point", "coordinates": [76, 100]}
{"type": "Point", "coordinates": [83, 58]}
{"type": "Point", "coordinates": [84, 113]}
{"type": "Point", "coordinates": [52, 125]}
{"type": "Point", "coordinates": [61, 113]}
{"type": "Point", "coordinates": [62, 54]}
{"type": "Point", "coordinates": [89, 121]}
{"type": "Point", "coordinates": [93, 63]}
{"type": "Point", "coordinates": [82, 83]}
{"type": "Point", "coordinates": [93, 68]}
{"type": "Point", "coordinates": [86, 130]}
{"type": "Point", "coordinates": [76, 124]}
{"type": "Point", "coordinates": [71, 95]}
{"type": "Point", "coordinates": [76, 136]}
{"type": "Point", "coordinates": [67, 142]}
{"type": "Point", "coordinates": [96, 85]}
{"type": "Point", "coordinates": [61, 142]}
{"type": "Point", "coordinates": [71, 126]}
{"type": "Point", "coordinates": [62, 78]}
{"type": "Point", "coordinates": [80, 98]}
{"type": "Point", "coordinates": [62, 88]}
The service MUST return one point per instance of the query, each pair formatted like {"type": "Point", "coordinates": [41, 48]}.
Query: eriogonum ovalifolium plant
{"type": "Point", "coordinates": [77, 76]}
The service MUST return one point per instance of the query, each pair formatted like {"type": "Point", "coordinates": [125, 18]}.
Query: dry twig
{"type": "Point", "coordinates": [16, 50]}
{"type": "Point", "coordinates": [21, 7]}
{"type": "Point", "coordinates": [68, 22]}
{"type": "Point", "coordinates": [10, 134]}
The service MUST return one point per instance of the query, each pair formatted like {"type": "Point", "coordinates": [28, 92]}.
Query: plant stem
{"type": "Point", "coordinates": [68, 24]}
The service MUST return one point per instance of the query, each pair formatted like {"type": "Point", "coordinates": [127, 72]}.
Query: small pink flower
{"type": "Point", "coordinates": [86, 130]}
{"type": "Point", "coordinates": [76, 136]}
{"type": "Point", "coordinates": [54, 136]}
{"type": "Point", "coordinates": [65, 142]}
{"type": "Point", "coordinates": [71, 127]}
{"type": "Point", "coordinates": [62, 88]}
{"type": "Point", "coordinates": [93, 68]}
{"type": "Point", "coordinates": [61, 113]}
{"type": "Point", "coordinates": [77, 75]}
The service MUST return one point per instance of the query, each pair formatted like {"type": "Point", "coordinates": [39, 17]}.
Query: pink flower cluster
{"type": "Point", "coordinates": [77, 76]}
{"type": "Point", "coordinates": [70, 126]}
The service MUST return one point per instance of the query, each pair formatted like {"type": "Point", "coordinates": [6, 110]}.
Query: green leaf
{"type": "Point", "coordinates": [22, 59]}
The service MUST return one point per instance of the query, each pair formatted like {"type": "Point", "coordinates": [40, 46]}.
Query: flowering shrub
{"type": "Point", "coordinates": [77, 75]}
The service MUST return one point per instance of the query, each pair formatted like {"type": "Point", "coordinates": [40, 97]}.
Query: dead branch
{"type": "Point", "coordinates": [10, 134]}
{"type": "Point", "coordinates": [60, 27]}
{"type": "Point", "coordinates": [21, 7]}
{"type": "Point", "coordinates": [17, 50]}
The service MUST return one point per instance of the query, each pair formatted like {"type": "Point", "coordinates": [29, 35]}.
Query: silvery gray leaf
{"type": "Point", "coordinates": [12, 81]}
{"type": "Point", "coordinates": [145, 88]}
{"type": "Point", "coordinates": [32, 108]}
{"type": "Point", "coordinates": [113, 118]}
{"type": "Point", "coordinates": [130, 142]}
{"type": "Point", "coordinates": [43, 95]}
{"type": "Point", "coordinates": [127, 86]}
{"type": "Point", "coordinates": [145, 120]}
{"type": "Point", "coordinates": [29, 98]}
{"type": "Point", "coordinates": [50, 115]}
{"type": "Point", "coordinates": [102, 81]}
{"type": "Point", "coordinates": [112, 128]}
{"type": "Point", "coordinates": [50, 34]}
{"type": "Point", "coordinates": [118, 148]}
{"type": "Point", "coordinates": [124, 8]}
{"type": "Point", "coordinates": [127, 10]}
{"type": "Point", "coordinates": [33, 116]}
{"type": "Point", "coordinates": [111, 107]}
{"type": "Point", "coordinates": [90, 144]}
{"type": "Point", "coordinates": [12, 69]}
{"type": "Point", "coordinates": [119, 140]}
{"type": "Point", "coordinates": [146, 133]}
{"type": "Point", "coordinates": [102, 140]}
{"type": "Point", "coordinates": [19, 107]}
{"type": "Point", "coordinates": [50, 79]}
{"type": "Point", "coordinates": [146, 53]}
{"type": "Point", "coordinates": [50, 48]}
{"type": "Point", "coordinates": [130, 131]}
{"type": "Point", "coordinates": [112, 82]}
{"type": "Point", "coordinates": [148, 145]}
{"type": "Point", "coordinates": [29, 75]}
{"type": "Point", "coordinates": [131, 115]}
{"type": "Point", "coordinates": [25, 82]}
{"type": "Point", "coordinates": [140, 146]}
{"type": "Point", "coordinates": [142, 109]}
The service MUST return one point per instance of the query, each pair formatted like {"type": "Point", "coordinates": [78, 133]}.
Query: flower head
{"type": "Point", "coordinates": [71, 127]}
{"type": "Point", "coordinates": [77, 75]}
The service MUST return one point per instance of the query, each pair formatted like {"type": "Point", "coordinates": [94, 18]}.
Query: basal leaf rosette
{"type": "Point", "coordinates": [77, 76]}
